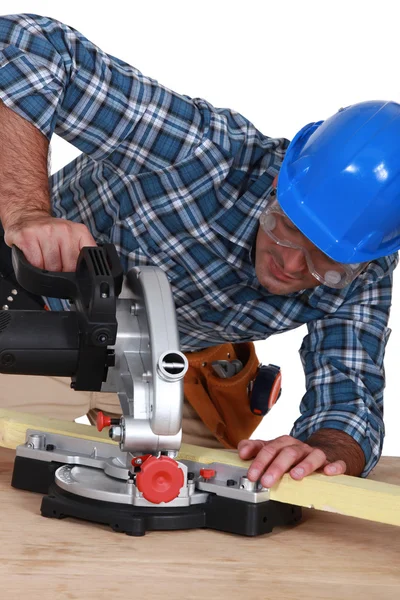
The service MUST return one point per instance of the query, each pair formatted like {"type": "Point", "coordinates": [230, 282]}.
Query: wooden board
{"type": "Point", "coordinates": [351, 496]}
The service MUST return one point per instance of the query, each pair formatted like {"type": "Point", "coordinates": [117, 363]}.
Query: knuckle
{"type": "Point", "coordinates": [23, 239]}
{"type": "Point", "coordinates": [285, 439]}
{"type": "Point", "coordinates": [267, 452]}
{"type": "Point", "coordinates": [258, 465]}
{"type": "Point", "coordinates": [319, 454]}
{"type": "Point", "coordinates": [307, 465]}
{"type": "Point", "coordinates": [81, 227]}
{"type": "Point", "coordinates": [46, 229]}
{"type": "Point", "coordinates": [245, 444]}
{"type": "Point", "coordinates": [293, 451]}
{"type": "Point", "coordinates": [258, 442]}
{"type": "Point", "coordinates": [63, 226]}
{"type": "Point", "coordinates": [19, 232]}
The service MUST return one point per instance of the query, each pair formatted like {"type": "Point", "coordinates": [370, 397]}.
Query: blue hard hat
{"type": "Point", "coordinates": [340, 182]}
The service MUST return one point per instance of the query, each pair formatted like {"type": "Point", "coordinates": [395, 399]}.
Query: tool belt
{"type": "Point", "coordinates": [227, 406]}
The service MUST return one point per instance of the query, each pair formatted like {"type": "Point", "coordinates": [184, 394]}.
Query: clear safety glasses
{"type": "Point", "coordinates": [327, 271]}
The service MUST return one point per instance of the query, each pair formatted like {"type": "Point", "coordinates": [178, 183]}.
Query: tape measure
{"type": "Point", "coordinates": [265, 389]}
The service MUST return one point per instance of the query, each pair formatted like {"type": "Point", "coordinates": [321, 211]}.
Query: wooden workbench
{"type": "Point", "coordinates": [327, 556]}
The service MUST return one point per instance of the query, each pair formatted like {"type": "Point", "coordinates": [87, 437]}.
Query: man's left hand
{"type": "Point", "coordinates": [272, 459]}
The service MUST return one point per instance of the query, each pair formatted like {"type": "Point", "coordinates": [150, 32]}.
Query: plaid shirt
{"type": "Point", "coordinates": [174, 182]}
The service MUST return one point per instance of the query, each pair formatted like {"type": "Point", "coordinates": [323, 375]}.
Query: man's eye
{"type": "Point", "coordinates": [290, 226]}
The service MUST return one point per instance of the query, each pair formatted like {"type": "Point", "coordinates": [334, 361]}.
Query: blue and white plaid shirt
{"type": "Point", "coordinates": [174, 182]}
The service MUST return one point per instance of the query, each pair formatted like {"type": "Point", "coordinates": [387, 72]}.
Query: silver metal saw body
{"type": "Point", "coordinates": [149, 367]}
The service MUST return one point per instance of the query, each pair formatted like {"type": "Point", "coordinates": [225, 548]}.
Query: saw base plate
{"type": "Point", "coordinates": [218, 512]}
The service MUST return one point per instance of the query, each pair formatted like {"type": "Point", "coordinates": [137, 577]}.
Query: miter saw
{"type": "Point", "coordinates": [121, 336]}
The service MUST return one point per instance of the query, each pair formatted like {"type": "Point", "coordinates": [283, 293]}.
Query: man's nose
{"type": "Point", "coordinates": [294, 261]}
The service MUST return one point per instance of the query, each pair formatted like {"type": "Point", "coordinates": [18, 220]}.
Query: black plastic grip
{"type": "Point", "coordinates": [40, 281]}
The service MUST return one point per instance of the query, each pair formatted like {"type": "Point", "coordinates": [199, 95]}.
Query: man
{"type": "Point", "coordinates": [174, 182]}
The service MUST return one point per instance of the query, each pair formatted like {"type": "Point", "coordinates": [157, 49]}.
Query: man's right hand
{"type": "Point", "coordinates": [48, 242]}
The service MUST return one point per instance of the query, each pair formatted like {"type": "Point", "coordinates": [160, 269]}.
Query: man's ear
{"type": "Point", "coordinates": [275, 182]}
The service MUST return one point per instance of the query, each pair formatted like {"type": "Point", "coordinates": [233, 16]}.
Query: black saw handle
{"type": "Point", "coordinates": [65, 343]}
{"type": "Point", "coordinates": [101, 260]}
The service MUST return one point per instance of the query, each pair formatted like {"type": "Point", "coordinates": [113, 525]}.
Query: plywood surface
{"type": "Point", "coordinates": [327, 556]}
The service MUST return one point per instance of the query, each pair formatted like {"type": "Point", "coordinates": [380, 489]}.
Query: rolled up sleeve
{"type": "Point", "coordinates": [343, 360]}
{"type": "Point", "coordinates": [62, 83]}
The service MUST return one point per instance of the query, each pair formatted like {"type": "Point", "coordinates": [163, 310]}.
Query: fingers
{"type": "Point", "coordinates": [79, 237]}
{"type": "Point", "coordinates": [285, 446]}
{"type": "Point", "coordinates": [273, 461]}
{"type": "Point", "coordinates": [86, 238]}
{"type": "Point", "coordinates": [69, 253]}
{"type": "Point", "coordinates": [31, 248]}
{"type": "Point", "coordinates": [249, 448]}
{"type": "Point", "coordinates": [61, 247]}
{"type": "Point", "coordinates": [314, 460]}
{"type": "Point", "coordinates": [336, 468]}
{"type": "Point", "coordinates": [284, 455]}
{"type": "Point", "coordinates": [70, 244]}
{"type": "Point", "coordinates": [50, 243]}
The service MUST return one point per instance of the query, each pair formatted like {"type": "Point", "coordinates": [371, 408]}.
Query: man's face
{"type": "Point", "coordinates": [279, 269]}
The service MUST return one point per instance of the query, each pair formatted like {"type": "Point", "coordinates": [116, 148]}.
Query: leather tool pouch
{"type": "Point", "coordinates": [223, 404]}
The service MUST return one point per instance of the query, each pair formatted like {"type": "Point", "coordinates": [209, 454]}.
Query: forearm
{"type": "Point", "coordinates": [47, 242]}
{"type": "Point", "coordinates": [24, 189]}
{"type": "Point", "coordinates": [338, 445]}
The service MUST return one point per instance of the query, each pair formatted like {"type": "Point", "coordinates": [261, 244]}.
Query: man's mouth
{"type": "Point", "coordinates": [277, 272]}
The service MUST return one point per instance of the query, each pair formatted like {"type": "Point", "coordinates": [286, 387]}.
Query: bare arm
{"type": "Point", "coordinates": [23, 168]}
{"type": "Point", "coordinates": [338, 445]}
{"type": "Point", "coordinates": [25, 210]}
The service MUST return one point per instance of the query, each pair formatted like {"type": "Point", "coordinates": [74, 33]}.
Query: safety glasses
{"type": "Point", "coordinates": [282, 231]}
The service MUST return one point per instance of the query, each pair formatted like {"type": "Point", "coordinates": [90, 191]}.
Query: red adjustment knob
{"type": "Point", "coordinates": [102, 421]}
{"type": "Point", "coordinates": [160, 479]}
{"type": "Point", "coordinates": [207, 473]}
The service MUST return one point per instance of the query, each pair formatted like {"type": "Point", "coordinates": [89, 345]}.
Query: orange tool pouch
{"type": "Point", "coordinates": [223, 404]}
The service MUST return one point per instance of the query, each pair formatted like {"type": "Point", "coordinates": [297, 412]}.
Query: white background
{"type": "Point", "coordinates": [281, 64]}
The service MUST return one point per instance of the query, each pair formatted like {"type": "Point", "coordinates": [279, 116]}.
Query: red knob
{"type": "Point", "coordinates": [207, 473]}
{"type": "Point", "coordinates": [102, 421]}
{"type": "Point", "coordinates": [160, 479]}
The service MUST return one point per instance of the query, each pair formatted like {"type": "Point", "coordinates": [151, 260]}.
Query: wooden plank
{"type": "Point", "coordinates": [351, 496]}
{"type": "Point", "coordinates": [13, 426]}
